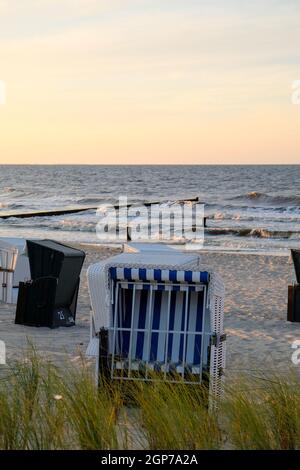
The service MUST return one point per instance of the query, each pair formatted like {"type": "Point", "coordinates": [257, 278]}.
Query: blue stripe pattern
{"type": "Point", "coordinates": [126, 321]}
{"type": "Point", "coordinates": [159, 275]}
{"type": "Point", "coordinates": [141, 325]}
{"type": "Point", "coordinates": [155, 325]}
{"type": "Point", "coordinates": [145, 285]}
{"type": "Point", "coordinates": [199, 327]}
{"type": "Point", "coordinates": [174, 340]}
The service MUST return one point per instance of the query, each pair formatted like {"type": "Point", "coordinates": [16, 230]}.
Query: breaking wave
{"type": "Point", "coordinates": [254, 232]}
{"type": "Point", "coordinates": [268, 199]}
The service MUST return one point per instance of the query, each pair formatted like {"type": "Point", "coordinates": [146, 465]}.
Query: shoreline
{"type": "Point", "coordinates": [285, 252]}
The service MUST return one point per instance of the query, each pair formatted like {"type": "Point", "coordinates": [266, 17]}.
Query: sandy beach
{"type": "Point", "coordinates": [258, 335]}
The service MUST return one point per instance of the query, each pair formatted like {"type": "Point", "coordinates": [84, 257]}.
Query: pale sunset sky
{"type": "Point", "coordinates": [138, 81]}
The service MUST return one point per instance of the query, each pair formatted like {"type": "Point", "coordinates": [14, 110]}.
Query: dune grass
{"type": "Point", "coordinates": [263, 412]}
{"type": "Point", "coordinates": [30, 416]}
{"type": "Point", "coordinates": [175, 416]}
{"type": "Point", "coordinates": [45, 407]}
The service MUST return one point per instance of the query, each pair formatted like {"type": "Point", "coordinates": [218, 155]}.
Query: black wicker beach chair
{"type": "Point", "coordinates": [293, 313]}
{"type": "Point", "coordinates": [50, 298]}
{"type": "Point", "coordinates": [296, 261]}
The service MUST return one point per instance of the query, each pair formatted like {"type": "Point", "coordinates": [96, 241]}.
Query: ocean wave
{"type": "Point", "coordinates": [9, 189]}
{"type": "Point", "coordinates": [90, 200]}
{"type": "Point", "coordinates": [225, 215]}
{"type": "Point", "coordinates": [254, 232]}
{"type": "Point", "coordinates": [249, 216]}
{"type": "Point", "coordinates": [11, 206]}
{"type": "Point", "coordinates": [293, 200]}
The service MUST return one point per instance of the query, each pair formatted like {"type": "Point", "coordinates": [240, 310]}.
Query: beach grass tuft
{"type": "Point", "coordinates": [176, 416]}
{"type": "Point", "coordinates": [43, 406]}
{"type": "Point", "coordinates": [263, 412]}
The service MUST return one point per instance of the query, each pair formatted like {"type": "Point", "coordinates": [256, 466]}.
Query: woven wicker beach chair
{"type": "Point", "coordinates": [293, 311]}
{"type": "Point", "coordinates": [14, 268]}
{"type": "Point", "coordinates": [157, 315]}
{"type": "Point", "coordinates": [296, 261]}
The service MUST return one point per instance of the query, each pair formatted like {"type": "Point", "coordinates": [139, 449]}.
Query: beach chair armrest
{"type": "Point", "coordinates": [217, 338]}
{"type": "Point", "coordinates": [4, 270]}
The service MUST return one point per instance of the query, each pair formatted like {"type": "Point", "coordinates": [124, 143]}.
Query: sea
{"type": "Point", "coordinates": [248, 208]}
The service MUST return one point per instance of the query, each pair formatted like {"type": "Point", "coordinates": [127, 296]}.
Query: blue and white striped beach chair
{"type": "Point", "coordinates": [157, 313]}
{"type": "Point", "coordinates": [14, 268]}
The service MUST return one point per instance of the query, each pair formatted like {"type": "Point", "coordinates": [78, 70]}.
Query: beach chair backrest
{"type": "Point", "coordinates": [160, 322]}
{"type": "Point", "coordinates": [296, 260]}
{"type": "Point", "coordinates": [8, 261]}
{"type": "Point", "coordinates": [49, 258]}
{"type": "Point", "coordinates": [9, 254]}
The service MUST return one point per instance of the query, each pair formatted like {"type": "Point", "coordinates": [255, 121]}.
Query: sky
{"type": "Point", "coordinates": [149, 82]}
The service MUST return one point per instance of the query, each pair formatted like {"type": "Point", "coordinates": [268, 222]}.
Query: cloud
{"type": "Point", "coordinates": [195, 31]}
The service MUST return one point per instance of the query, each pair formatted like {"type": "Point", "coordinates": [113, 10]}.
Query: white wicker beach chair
{"type": "Point", "coordinates": [14, 268]}
{"type": "Point", "coordinates": [157, 311]}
